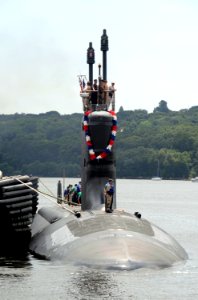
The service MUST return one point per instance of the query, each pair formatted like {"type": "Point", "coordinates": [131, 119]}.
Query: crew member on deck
{"type": "Point", "coordinates": [111, 94]}
{"type": "Point", "coordinates": [111, 89]}
{"type": "Point", "coordinates": [108, 193]}
{"type": "Point", "coordinates": [67, 193]}
{"type": "Point", "coordinates": [103, 88]}
{"type": "Point", "coordinates": [88, 87]}
{"type": "Point", "coordinates": [94, 93]}
{"type": "Point", "coordinates": [95, 85]}
{"type": "Point", "coordinates": [87, 99]}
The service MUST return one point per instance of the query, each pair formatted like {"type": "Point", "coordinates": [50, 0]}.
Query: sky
{"type": "Point", "coordinates": [153, 53]}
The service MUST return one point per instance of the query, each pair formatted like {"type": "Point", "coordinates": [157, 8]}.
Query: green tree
{"type": "Point", "coordinates": [163, 108]}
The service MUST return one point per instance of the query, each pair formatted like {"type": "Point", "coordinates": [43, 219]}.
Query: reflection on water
{"type": "Point", "coordinates": [100, 284]}
{"type": "Point", "coordinates": [93, 283]}
{"type": "Point", "coordinates": [12, 269]}
{"type": "Point", "coordinates": [15, 261]}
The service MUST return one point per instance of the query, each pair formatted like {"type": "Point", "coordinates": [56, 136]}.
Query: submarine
{"type": "Point", "coordinates": [97, 233]}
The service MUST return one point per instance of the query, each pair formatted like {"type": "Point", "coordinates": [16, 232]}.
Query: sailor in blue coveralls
{"type": "Point", "coordinates": [108, 193]}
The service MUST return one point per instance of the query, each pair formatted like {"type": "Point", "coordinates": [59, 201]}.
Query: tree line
{"type": "Point", "coordinates": [49, 144]}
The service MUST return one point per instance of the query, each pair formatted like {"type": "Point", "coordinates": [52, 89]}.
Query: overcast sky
{"type": "Point", "coordinates": [153, 52]}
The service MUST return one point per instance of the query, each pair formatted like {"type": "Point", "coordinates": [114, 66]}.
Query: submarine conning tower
{"type": "Point", "coordinates": [98, 134]}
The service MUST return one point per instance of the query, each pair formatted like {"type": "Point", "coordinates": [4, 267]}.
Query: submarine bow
{"type": "Point", "coordinates": [115, 241]}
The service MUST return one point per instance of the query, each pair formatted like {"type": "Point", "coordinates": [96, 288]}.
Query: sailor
{"type": "Point", "coordinates": [70, 192]}
{"type": "Point", "coordinates": [67, 192]}
{"type": "Point", "coordinates": [75, 193]}
{"type": "Point", "coordinates": [111, 89]}
{"type": "Point", "coordinates": [108, 193]}
{"type": "Point", "coordinates": [94, 94]}
{"type": "Point", "coordinates": [111, 94]}
{"type": "Point", "coordinates": [87, 99]}
{"type": "Point", "coordinates": [88, 87]}
{"type": "Point", "coordinates": [79, 197]}
{"type": "Point", "coordinates": [103, 88]}
{"type": "Point", "coordinates": [95, 85]}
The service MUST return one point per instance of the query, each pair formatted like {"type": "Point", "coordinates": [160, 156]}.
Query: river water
{"type": "Point", "coordinates": [172, 205]}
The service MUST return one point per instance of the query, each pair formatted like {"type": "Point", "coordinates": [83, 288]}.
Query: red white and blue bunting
{"type": "Point", "coordinates": [108, 149]}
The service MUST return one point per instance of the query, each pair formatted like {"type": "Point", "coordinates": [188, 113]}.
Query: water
{"type": "Point", "coordinates": [172, 205]}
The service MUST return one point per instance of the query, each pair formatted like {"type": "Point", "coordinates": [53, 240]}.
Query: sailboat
{"type": "Point", "coordinates": [194, 179]}
{"type": "Point", "coordinates": [157, 177]}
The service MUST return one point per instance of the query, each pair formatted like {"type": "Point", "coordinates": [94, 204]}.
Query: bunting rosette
{"type": "Point", "coordinates": [108, 149]}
